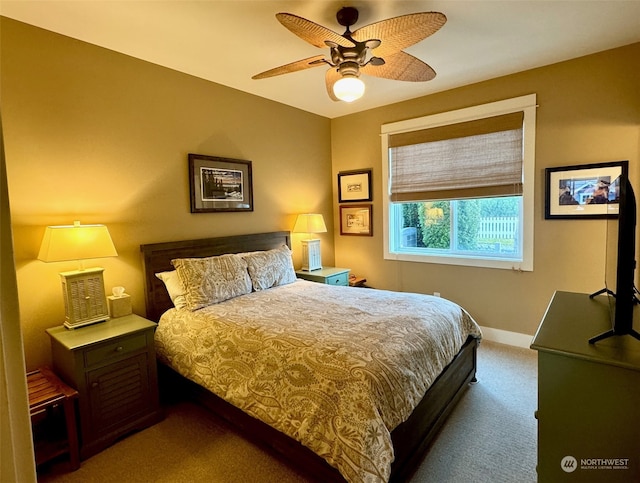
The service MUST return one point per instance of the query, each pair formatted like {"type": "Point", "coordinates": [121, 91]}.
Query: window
{"type": "Point", "coordinates": [460, 186]}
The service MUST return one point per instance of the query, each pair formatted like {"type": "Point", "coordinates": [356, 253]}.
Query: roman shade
{"type": "Point", "coordinates": [472, 159]}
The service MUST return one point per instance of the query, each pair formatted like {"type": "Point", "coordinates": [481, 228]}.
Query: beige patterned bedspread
{"type": "Point", "coordinates": [336, 368]}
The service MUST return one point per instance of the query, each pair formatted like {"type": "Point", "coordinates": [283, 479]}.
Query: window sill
{"type": "Point", "coordinates": [485, 262]}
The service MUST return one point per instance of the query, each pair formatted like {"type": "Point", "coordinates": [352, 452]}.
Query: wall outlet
{"type": "Point", "coordinates": [436, 294]}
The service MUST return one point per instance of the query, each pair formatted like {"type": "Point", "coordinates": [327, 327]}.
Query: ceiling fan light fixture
{"type": "Point", "coordinates": [349, 88]}
{"type": "Point", "coordinates": [352, 53]}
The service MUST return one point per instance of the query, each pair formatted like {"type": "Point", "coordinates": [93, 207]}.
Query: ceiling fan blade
{"type": "Point", "coordinates": [292, 67]}
{"type": "Point", "coordinates": [401, 66]}
{"type": "Point", "coordinates": [401, 32]}
{"type": "Point", "coordinates": [331, 77]}
{"type": "Point", "coordinates": [311, 32]}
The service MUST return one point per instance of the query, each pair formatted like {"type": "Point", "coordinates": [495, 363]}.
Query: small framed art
{"type": "Point", "coordinates": [583, 191]}
{"type": "Point", "coordinates": [219, 184]}
{"type": "Point", "coordinates": [356, 220]}
{"type": "Point", "coordinates": [354, 185]}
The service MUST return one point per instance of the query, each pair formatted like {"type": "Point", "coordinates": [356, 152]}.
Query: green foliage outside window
{"type": "Point", "coordinates": [468, 224]}
{"type": "Point", "coordinates": [435, 217]}
{"type": "Point", "coordinates": [433, 222]}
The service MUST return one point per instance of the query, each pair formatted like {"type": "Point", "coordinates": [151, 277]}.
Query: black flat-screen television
{"type": "Point", "coordinates": [624, 295]}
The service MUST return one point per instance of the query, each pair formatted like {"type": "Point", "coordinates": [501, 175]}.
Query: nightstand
{"type": "Point", "coordinates": [328, 275]}
{"type": "Point", "coordinates": [113, 367]}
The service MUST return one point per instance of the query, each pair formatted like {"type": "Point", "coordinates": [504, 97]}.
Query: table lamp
{"type": "Point", "coordinates": [85, 300]}
{"type": "Point", "coordinates": [311, 255]}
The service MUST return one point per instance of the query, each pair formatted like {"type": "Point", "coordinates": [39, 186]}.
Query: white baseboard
{"type": "Point", "coordinates": [505, 337]}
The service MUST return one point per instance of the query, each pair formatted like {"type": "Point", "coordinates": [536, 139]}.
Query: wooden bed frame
{"type": "Point", "coordinates": [410, 439]}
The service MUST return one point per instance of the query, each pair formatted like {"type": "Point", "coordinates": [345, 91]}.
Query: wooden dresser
{"type": "Point", "coordinates": [113, 367]}
{"type": "Point", "coordinates": [588, 394]}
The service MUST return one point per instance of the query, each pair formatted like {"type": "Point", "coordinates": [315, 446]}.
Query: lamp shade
{"type": "Point", "coordinates": [310, 223]}
{"type": "Point", "coordinates": [76, 242]}
{"type": "Point", "coordinates": [349, 88]}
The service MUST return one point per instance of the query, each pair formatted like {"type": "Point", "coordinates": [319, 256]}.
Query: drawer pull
{"type": "Point", "coordinates": [94, 384]}
{"type": "Point", "coordinates": [119, 348]}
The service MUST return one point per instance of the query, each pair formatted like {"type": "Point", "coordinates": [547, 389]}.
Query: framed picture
{"type": "Point", "coordinates": [583, 191]}
{"type": "Point", "coordinates": [354, 185]}
{"type": "Point", "coordinates": [219, 184]}
{"type": "Point", "coordinates": [356, 220]}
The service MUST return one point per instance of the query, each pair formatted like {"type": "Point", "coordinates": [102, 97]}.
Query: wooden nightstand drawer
{"type": "Point", "coordinates": [115, 349]}
{"type": "Point", "coordinates": [339, 279]}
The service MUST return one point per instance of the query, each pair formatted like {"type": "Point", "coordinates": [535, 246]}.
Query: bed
{"type": "Point", "coordinates": [332, 427]}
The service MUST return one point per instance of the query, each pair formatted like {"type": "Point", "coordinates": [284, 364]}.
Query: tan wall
{"type": "Point", "coordinates": [101, 137]}
{"type": "Point", "coordinates": [589, 112]}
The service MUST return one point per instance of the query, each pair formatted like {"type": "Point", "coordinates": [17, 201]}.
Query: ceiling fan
{"type": "Point", "coordinates": [351, 53]}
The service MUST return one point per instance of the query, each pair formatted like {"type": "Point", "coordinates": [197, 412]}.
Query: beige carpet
{"type": "Point", "coordinates": [489, 437]}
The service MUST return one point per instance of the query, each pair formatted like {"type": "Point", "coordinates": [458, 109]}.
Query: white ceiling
{"type": "Point", "coordinates": [229, 41]}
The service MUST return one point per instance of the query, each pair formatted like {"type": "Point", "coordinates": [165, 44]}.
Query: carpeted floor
{"type": "Point", "coordinates": [489, 437]}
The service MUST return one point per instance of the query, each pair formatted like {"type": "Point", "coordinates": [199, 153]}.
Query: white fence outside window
{"type": "Point", "coordinates": [498, 227]}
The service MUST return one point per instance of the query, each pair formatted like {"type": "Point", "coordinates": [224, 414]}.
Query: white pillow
{"type": "Point", "coordinates": [270, 268]}
{"type": "Point", "coordinates": [174, 287]}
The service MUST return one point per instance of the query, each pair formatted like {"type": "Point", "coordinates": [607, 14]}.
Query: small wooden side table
{"type": "Point", "coordinates": [357, 281]}
{"type": "Point", "coordinates": [46, 390]}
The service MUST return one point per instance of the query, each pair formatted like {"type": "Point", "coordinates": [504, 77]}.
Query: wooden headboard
{"type": "Point", "coordinates": [157, 258]}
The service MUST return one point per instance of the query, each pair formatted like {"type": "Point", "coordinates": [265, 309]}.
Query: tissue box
{"type": "Point", "coordinates": [119, 306]}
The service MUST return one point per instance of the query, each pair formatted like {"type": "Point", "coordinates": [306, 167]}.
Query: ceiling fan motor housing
{"type": "Point", "coordinates": [357, 54]}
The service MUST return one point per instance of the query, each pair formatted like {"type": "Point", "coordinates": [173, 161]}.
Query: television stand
{"type": "Point", "coordinates": [611, 333]}
{"type": "Point", "coordinates": [602, 291]}
{"type": "Point", "coordinates": [636, 292]}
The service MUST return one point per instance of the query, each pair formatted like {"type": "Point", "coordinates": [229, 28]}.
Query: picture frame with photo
{"type": "Point", "coordinates": [220, 184]}
{"type": "Point", "coordinates": [583, 191]}
{"type": "Point", "coordinates": [354, 186]}
{"type": "Point", "coordinates": [356, 220]}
